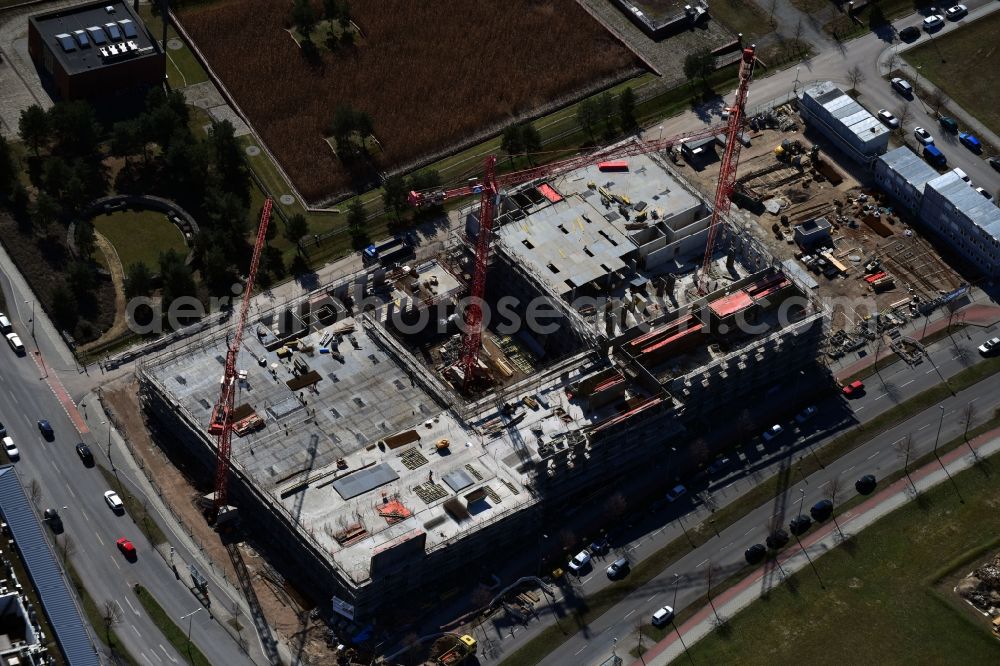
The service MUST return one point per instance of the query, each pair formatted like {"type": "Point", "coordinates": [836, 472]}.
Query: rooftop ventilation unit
{"type": "Point", "coordinates": [97, 35]}
{"type": "Point", "coordinates": [114, 32]}
{"type": "Point", "coordinates": [81, 38]}
{"type": "Point", "coordinates": [110, 9]}
{"type": "Point", "coordinates": [66, 42]}
{"type": "Point", "coordinates": [128, 27]}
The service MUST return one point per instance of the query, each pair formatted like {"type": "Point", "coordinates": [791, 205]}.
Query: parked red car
{"type": "Point", "coordinates": [855, 388]}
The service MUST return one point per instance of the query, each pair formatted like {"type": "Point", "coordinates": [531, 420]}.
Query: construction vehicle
{"type": "Point", "coordinates": [221, 424]}
{"type": "Point", "coordinates": [466, 647]}
{"type": "Point", "coordinates": [489, 188]}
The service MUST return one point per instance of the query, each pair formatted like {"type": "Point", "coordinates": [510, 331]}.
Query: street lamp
{"type": "Point", "coordinates": [32, 302]}
{"type": "Point", "coordinates": [105, 423]}
{"type": "Point", "coordinates": [661, 132]}
{"type": "Point", "coordinates": [189, 617]}
{"type": "Point", "coordinates": [802, 497]}
{"type": "Point", "coordinates": [677, 580]}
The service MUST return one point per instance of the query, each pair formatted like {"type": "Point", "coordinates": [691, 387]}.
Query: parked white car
{"type": "Point", "coordinates": [888, 119]}
{"type": "Point", "coordinates": [956, 12]}
{"type": "Point", "coordinates": [15, 343]}
{"type": "Point", "coordinates": [8, 446]}
{"type": "Point", "coordinates": [773, 432]}
{"type": "Point", "coordinates": [923, 136]}
{"type": "Point", "coordinates": [933, 22]}
{"type": "Point", "coordinates": [580, 562]}
{"type": "Point", "coordinates": [662, 616]}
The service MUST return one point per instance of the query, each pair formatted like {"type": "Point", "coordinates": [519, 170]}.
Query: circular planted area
{"type": "Point", "coordinates": [140, 236]}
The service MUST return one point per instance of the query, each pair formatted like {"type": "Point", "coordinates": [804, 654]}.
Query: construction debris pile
{"type": "Point", "coordinates": [981, 588]}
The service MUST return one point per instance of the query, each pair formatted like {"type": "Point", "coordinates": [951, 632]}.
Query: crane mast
{"type": "Point", "coordinates": [730, 160]}
{"type": "Point", "coordinates": [221, 424]}
{"type": "Point", "coordinates": [490, 186]}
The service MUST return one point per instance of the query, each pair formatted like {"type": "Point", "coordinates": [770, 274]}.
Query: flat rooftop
{"type": "Point", "coordinates": [89, 36]}
{"type": "Point", "coordinates": [583, 237]}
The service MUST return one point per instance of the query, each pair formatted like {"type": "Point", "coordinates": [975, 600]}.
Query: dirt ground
{"type": "Point", "coordinates": [864, 226]}
{"type": "Point", "coordinates": [280, 605]}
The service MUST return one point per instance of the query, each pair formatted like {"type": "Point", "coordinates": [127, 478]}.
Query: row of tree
{"type": "Point", "coordinates": [609, 113]}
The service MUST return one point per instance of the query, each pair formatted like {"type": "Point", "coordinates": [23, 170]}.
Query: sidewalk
{"type": "Point", "coordinates": [741, 595]}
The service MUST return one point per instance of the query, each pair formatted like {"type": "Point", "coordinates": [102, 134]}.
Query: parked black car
{"type": "Point", "coordinates": [910, 34]}
{"type": "Point", "coordinates": [51, 516]}
{"type": "Point", "coordinates": [800, 524]}
{"type": "Point", "coordinates": [777, 539]}
{"type": "Point", "coordinates": [866, 484]}
{"type": "Point", "coordinates": [86, 456]}
{"type": "Point", "coordinates": [755, 553]}
{"type": "Point", "coordinates": [821, 510]}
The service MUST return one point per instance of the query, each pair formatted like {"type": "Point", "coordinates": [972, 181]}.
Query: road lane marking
{"type": "Point", "coordinates": [584, 581]}
{"type": "Point", "coordinates": [167, 653]}
{"type": "Point", "coordinates": [872, 456]}
{"type": "Point", "coordinates": [580, 650]}
{"type": "Point", "coordinates": [651, 598]}
{"type": "Point", "coordinates": [85, 516]}
{"type": "Point", "coordinates": [115, 560]}
{"type": "Point", "coordinates": [147, 658]}
{"type": "Point", "coordinates": [136, 631]}
{"type": "Point", "coordinates": [881, 396]}
{"type": "Point", "coordinates": [850, 468]}
{"type": "Point", "coordinates": [929, 371]}
{"type": "Point", "coordinates": [70, 490]}
{"type": "Point", "coordinates": [629, 613]}
{"type": "Point", "coordinates": [99, 538]}
{"type": "Point", "coordinates": [747, 533]}
{"type": "Point", "coordinates": [859, 409]}
{"type": "Point", "coordinates": [928, 425]}
{"type": "Point", "coordinates": [702, 563]}
{"type": "Point", "coordinates": [907, 383]}
{"type": "Point", "coordinates": [130, 606]}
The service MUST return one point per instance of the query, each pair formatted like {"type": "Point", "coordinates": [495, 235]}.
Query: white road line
{"type": "Point", "coordinates": [859, 409]}
{"type": "Point", "coordinates": [702, 563]}
{"type": "Point", "coordinates": [907, 383]}
{"type": "Point", "coordinates": [629, 613]}
{"type": "Point", "coordinates": [99, 538]}
{"type": "Point", "coordinates": [85, 516]}
{"type": "Point", "coordinates": [651, 598]}
{"type": "Point", "coordinates": [657, 531]}
{"type": "Point", "coordinates": [136, 631]}
{"type": "Point", "coordinates": [749, 531]}
{"type": "Point", "coordinates": [881, 396]}
{"type": "Point", "coordinates": [584, 582]}
{"type": "Point", "coordinates": [850, 468]}
{"type": "Point", "coordinates": [147, 658]}
{"type": "Point", "coordinates": [926, 425]}
{"type": "Point", "coordinates": [726, 546]}
{"type": "Point", "coordinates": [70, 490]}
{"type": "Point", "coordinates": [115, 560]}
{"type": "Point", "coordinates": [580, 650]}
{"type": "Point", "coordinates": [872, 456]}
{"type": "Point", "coordinates": [13, 397]}
{"type": "Point", "coordinates": [929, 371]}
{"type": "Point", "coordinates": [134, 610]}
{"type": "Point", "coordinates": [167, 653]}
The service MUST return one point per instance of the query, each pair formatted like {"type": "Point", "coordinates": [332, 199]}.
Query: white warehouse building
{"type": "Point", "coordinates": [841, 119]}
{"type": "Point", "coordinates": [902, 174]}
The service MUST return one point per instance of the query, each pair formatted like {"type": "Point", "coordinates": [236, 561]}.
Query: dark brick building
{"type": "Point", "coordinates": [94, 50]}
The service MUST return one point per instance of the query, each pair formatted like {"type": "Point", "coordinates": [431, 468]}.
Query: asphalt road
{"type": "Point", "coordinates": [77, 493]}
{"type": "Point", "coordinates": [753, 463]}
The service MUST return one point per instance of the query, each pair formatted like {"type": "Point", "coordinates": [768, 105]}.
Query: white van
{"type": "Point", "coordinates": [958, 172]}
{"type": "Point", "coordinates": [5, 326]}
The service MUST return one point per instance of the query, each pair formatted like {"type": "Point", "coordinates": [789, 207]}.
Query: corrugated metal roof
{"type": "Point", "coordinates": [45, 572]}
{"type": "Point", "coordinates": [982, 212]}
{"type": "Point", "coordinates": [844, 110]}
{"type": "Point", "coordinates": [909, 166]}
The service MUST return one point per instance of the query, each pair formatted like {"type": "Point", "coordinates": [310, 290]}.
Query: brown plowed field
{"type": "Point", "coordinates": [429, 73]}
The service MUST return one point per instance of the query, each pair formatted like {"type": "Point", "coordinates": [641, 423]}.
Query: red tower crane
{"type": "Point", "coordinates": [730, 159]}
{"type": "Point", "coordinates": [221, 424]}
{"type": "Point", "coordinates": [490, 187]}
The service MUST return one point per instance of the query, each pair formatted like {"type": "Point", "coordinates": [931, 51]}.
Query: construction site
{"type": "Point", "coordinates": [855, 251]}
{"type": "Point", "coordinates": [386, 433]}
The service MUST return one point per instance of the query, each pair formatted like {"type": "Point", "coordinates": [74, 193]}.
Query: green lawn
{"type": "Point", "coordinates": [140, 236]}
{"type": "Point", "coordinates": [174, 634]}
{"type": "Point", "coordinates": [947, 63]}
{"type": "Point", "coordinates": [183, 68]}
{"type": "Point", "coordinates": [881, 604]}
{"type": "Point", "coordinates": [741, 16]}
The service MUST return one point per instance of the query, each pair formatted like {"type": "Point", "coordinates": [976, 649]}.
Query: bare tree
{"type": "Point", "coordinates": [903, 115]}
{"type": "Point", "coordinates": [893, 62]}
{"type": "Point", "coordinates": [855, 76]}
{"type": "Point", "coordinates": [904, 448]}
{"type": "Point", "coordinates": [834, 489]}
{"type": "Point", "coordinates": [111, 615]}
{"type": "Point", "coordinates": [66, 547]}
{"type": "Point", "coordinates": [968, 414]}
{"type": "Point", "coordinates": [935, 99]}
{"type": "Point", "coordinates": [799, 30]}
{"type": "Point", "coordinates": [35, 491]}
{"type": "Point", "coordinates": [708, 590]}
{"type": "Point", "coordinates": [637, 630]}
{"type": "Point", "coordinates": [771, 6]}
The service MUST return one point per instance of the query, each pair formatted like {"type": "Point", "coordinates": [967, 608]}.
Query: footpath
{"type": "Point", "coordinates": [750, 589]}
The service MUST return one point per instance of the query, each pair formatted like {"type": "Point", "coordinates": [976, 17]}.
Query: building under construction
{"type": "Point", "coordinates": [373, 477]}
